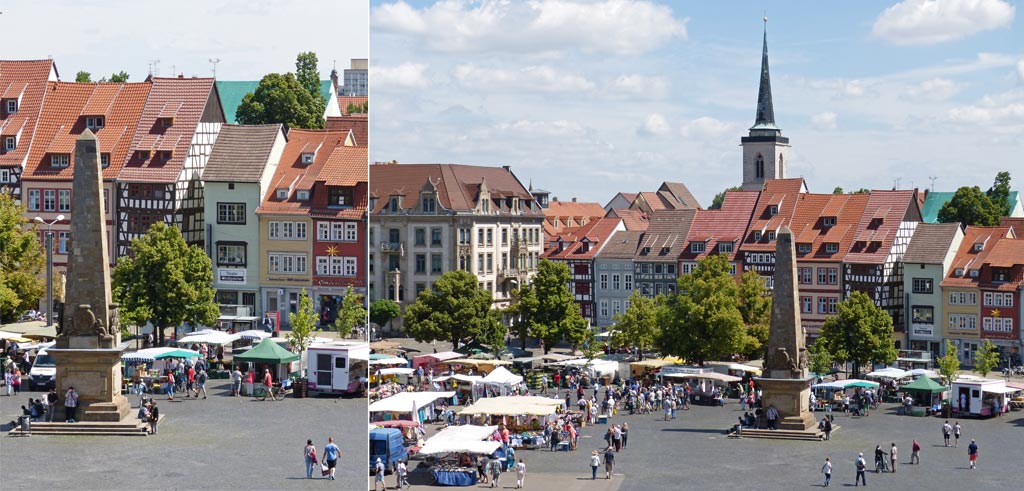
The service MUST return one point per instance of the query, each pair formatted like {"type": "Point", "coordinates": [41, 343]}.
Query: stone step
{"type": "Point", "coordinates": [78, 432]}
{"type": "Point", "coordinates": [809, 435]}
{"type": "Point", "coordinates": [130, 427]}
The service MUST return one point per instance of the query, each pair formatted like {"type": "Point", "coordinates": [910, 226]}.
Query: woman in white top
{"type": "Point", "coordinates": [520, 473]}
{"type": "Point", "coordinates": [595, 462]}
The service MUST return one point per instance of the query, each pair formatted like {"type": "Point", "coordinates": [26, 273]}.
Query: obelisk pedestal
{"type": "Point", "coordinates": [89, 332]}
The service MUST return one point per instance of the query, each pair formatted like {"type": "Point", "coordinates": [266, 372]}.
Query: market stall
{"type": "Point", "coordinates": [417, 405]}
{"type": "Point", "coordinates": [474, 366]}
{"type": "Point", "coordinates": [430, 361]}
{"type": "Point", "coordinates": [148, 365]}
{"type": "Point", "coordinates": [519, 413]}
{"type": "Point", "coordinates": [270, 355]}
{"type": "Point", "coordinates": [650, 366]}
{"type": "Point", "coordinates": [208, 336]}
{"type": "Point", "coordinates": [499, 382]}
{"type": "Point", "coordinates": [454, 440]}
{"type": "Point", "coordinates": [703, 384]}
{"type": "Point", "coordinates": [927, 395]}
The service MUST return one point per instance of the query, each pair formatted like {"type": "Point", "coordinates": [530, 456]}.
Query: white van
{"type": "Point", "coordinates": [337, 367]}
{"type": "Point", "coordinates": [43, 374]}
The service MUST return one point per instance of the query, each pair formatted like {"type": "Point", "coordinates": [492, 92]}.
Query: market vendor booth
{"type": "Point", "coordinates": [454, 450]}
{"type": "Point", "coordinates": [414, 406]}
{"type": "Point", "coordinates": [927, 395]}
{"type": "Point", "coordinates": [524, 416]}
{"type": "Point", "coordinates": [283, 364]}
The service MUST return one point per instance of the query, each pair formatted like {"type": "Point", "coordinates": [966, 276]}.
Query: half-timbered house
{"type": "Point", "coordinates": [22, 90]}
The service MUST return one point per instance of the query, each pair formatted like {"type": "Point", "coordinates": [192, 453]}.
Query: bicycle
{"type": "Point", "coordinates": [275, 393]}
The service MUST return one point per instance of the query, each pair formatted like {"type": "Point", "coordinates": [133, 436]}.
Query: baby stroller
{"type": "Point", "coordinates": [881, 464]}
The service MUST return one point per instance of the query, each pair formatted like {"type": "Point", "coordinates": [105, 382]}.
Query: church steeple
{"type": "Point", "coordinates": [765, 150]}
{"type": "Point", "coordinates": [765, 111]}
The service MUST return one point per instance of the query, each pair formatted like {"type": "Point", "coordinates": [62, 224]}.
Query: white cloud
{"type": "Point", "coordinates": [622, 27]}
{"type": "Point", "coordinates": [1020, 69]}
{"type": "Point", "coordinates": [706, 128]}
{"type": "Point", "coordinates": [936, 89]}
{"type": "Point", "coordinates": [824, 120]}
{"type": "Point", "coordinates": [558, 128]}
{"type": "Point", "coordinates": [937, 21]}
{"type": "Point", "coordinates": [534, 78]}
{"type": "Point", "coordinates": [639, 85]}
{"type": "Point", "coordinates": [1005, 110]}
{"type": "Point", "coordinates": [655, 124]}
{"type": "Point", "coordinates": [405, 76]}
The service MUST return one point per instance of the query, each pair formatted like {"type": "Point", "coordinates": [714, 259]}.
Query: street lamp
{"type": "Point", "coordinates": [49, 265]}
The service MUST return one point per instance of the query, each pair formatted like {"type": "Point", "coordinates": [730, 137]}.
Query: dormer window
{"type": "Point", "coordinates": [307, 158]}
{"type": "Point", "coordinates": [164, 155]}
{"type": "Point", "coordinates": [105, 160]}
{"type": "Point", "coordinates": [725, 247]}
{"type": "Point", "coordinates": [664, 251]}
{"type": "Point", "coordinates": [302, 195]}
{"type": "Point", "coordinates": [979, 246]}
{"type": "Point", "coordinates": [773, 210]}
{"type": "Point", "coordinates": [645, 251]}
{"type": "Point", "coordinates": [828, 221]}
{"type": "Point", "coordinates": [974, 273]}
{"type": "Point", "coordinates": [831, 247]}
{"type": "Point", "coordinates": [395, 204]}
{"type": "Point", "coordinates": [427, 203]}
{"type": "Point", "coordinates": [12, 106]}
{"type": "Point", "coordinates": [60, 160]}
{"type": "Point", "coordinates": [94, 122]}
{"type": "Point", "coordinates": [10, 143]}
{"type": "Point", "coordinates": [485, 205]}
{"type": "Point", "coordinates": [515, 205]}
{"type": "Point", "coordinates": [803, 248]}
{"type": "Point", "coordinates": [958, 272]}
{"type": "Point", "coordinates": [165, 122]}
{"type": "Point", "coordinates": [757, 235]}
{"type": "Point", "coordinates": [771, 235]}
{"type": "Point", "coordinates": [585, 247]}
{"type": "Point", "coordinates": [282, 193]}
{"type": "Point", "coordinates": [373, 204]}
{"type": "Point", "coordinates": [339, 196]}
{"type": "Point", "coordinates": [142, 154]}
{"type": "Point", "coordinates": [697, 247]}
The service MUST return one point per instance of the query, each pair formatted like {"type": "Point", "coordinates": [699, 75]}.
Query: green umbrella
{"type": "Point", "coordinates": [178, 353]}
{"type": "Point", "coordinates": [267, 351]}
{"type": "Point", "coordinates": [863, 384]}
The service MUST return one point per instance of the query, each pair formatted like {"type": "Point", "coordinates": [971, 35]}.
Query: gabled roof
{"type": "Point", "coordinates": [784, 194]}
{"type": "Point", "coordinates": [653, 200]}
{"type": "Point", "coordinates": [621, 245]}
{"type": "Point", "coordinates": [632, 219]}
{"type": "Point", "coordinates": [1007, 253]}
{"type": "Point", "coordinates": [358, 124]}
{"type": "Point", "coordinates": [681, 195]}
{"type": "Point", "coordinates": [241, 153]}
{"type": "Point", "coordinates": [187, 98]}
{"type": "Point", "coordinates": [876, 232]}
{"type": "Point", "coordinates": [232, 92]}
{"type": "Point", "coordinates": [565, 216]}
{"type": "Point", "coordinates": [1015, 223]}
{"type": "Point", "coordinates": [294, 175]}
{"type": "Point", "coordinates": [62, 120]}
{"type": "Point", "coordinates": [934, 200]}
{"type": "Point", "coordinates": [725, 225]}
{"type": "Point", "coordinates": [968, 257]}
{"type": "Point", "coordinates": [808, 223]}
{"type": "Point", "coordinates": [666, 236]}
{"type": "Point", "coordinates": [25, 80]}
{"type": "Point", "coordinates": [458, 186]}
{"type": "Point", "coordinates": [930, 243]}
{"type": "Point", "coordinates": [629, 197]}
{"type": "Point", "coordinates": [345, 167]}
{"type": "Point", "coordinates": [595, 234]}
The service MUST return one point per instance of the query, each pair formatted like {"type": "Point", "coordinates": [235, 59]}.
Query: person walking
{"type": "Point", "coordinates": [309, 454]}
{"type": "Point", "coordinates": [773, 417]}
{"type": "Point", "coordinates": [201, 383]}
{"type": "Point", "coordinates": [16, 381]}
{"type": "Point", "coordinates": [609, 462]}
{"type": "Point", "coordinates": [495, 472]}
{"type": "Point", "coordinates": [236, 381]}
{"type": "Point", "coordinates": [827, 470]}
{"type": "Point", "coordinates": [190, 382]}
{"type": "Point", "coordinates": [154, 416]}
{"type": "Point", "coordinates": [520, 474]}
{"type": "Point", "coordinates": [861, 467]}
{"type": "Point", "coordinates": [268, 384]}
{"type": "Point", "coordinates": [625, 434]}
{"type": "Point", "coordinates": [595, 461]}
{"type": "Point", "coordinates": [70, 405]}
{"type": "Point", "coordinates": [378, 475]}
{"type": "Point", "coordinates": [956, 434]}
{"type": "Point", "coordinates": [915, 453]}
{"type": "Point", "coordinates": [51, 408]}
{"type": "Point", "coordinates": [827, 427]}
{"type": "Point", "coordinates": [170, 385]}
{"type": "Point", "coordinates": [946, 431]}
{"type": "Point", "coordinates": [972, 454]}
{"type": "Point", "coordinates": [400, 472]}
{"type": "Point", "coordinates": [892, 457]}
{"type": "Point", "coordinates": [331, 453]}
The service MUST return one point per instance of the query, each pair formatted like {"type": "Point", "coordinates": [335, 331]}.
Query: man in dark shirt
{"type": "Point", "coordinates": [972, 454]}
{"type": "Point", "coordinates": [609, 462]}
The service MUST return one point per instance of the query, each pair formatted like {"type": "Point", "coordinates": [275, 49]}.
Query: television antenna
{"type": "Point", "coordinates": [214, 62]}
{"type": "Point", "coordinates": [154, 67]}
{"type": "Point", "coordinates": [933, 179]}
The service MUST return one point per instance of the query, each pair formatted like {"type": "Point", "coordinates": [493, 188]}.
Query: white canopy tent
{"type": "Point", "coordinates": [715, 376]}
{"type": "Point", "coordinates": [208, 336]}
{"type": "Point", "coordinates": [394, 361]}
{"type": "Point", "coordinates": [149, 355]}
{"type": "Point", "coordinates": [889, 372]}
{"type": "Point", "coordinates": [917, 372]}
{"type": "Point", "coordinates": [514, 405]}
{"type": "Point", "coordinates": [397, 371]}
{"type": "Point", "coordinates": [408, 402]}
{"type": "Point", "coordinates": [464, 438]}
{"type": "Point", "coordinates": [253, 334]}
{"type": "Point", "coordinates": [597, 368]}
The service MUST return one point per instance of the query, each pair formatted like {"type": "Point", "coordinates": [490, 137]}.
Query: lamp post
{"type": "Point", "coordinates": [49, 265]}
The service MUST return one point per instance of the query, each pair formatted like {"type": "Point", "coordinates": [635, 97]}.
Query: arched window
{"type": "Point", "coordinates": [780, 172]}
{"type": "Point", "coordinates": [759, 166]}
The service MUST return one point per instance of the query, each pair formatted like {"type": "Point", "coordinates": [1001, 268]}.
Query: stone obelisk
{"type": "Point", "coordinates": [785, 383]}
{"type": "Point", "coordinates": [89, 331]}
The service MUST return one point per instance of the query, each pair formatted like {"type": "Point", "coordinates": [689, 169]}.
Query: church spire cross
{"type": "Point", "coordinates": [765, 111]}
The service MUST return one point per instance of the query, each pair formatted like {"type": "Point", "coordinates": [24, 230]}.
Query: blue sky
{"type": "Point", "coordinates": [250, 37]}
{"type": "Point", "coordinates": [587, 98]}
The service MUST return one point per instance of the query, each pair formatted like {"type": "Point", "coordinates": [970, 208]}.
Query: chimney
{"type": "Point", "coordinates": [508, 168]}
{"type": "Point", "coordinates": [554, 198]}
{"type": "Point", "coordinates": [573, 199]}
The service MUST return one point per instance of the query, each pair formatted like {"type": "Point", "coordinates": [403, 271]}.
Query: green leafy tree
{"type": "Point", "coordinates": [303, 326]}
{"type": "Point", "coordinates": [638, 325]}
{"type": "Point", "coordinates": [83, 77]}
{"type": "Point", "coordinates": [837, 190]}
{"type": "Point", "coordinates": [970, 206]}
{"type": "Point", "coordinates": [21, 261]}
{"type": "Point", "coordinates": [555, 315]}
{"type": "Point", "coordinates": [521, 312]}
{"type": "Point", "coordinates": [756, 308]}
{"type": "Point", "coordinates": [703, 322]}
{"type": "Point", "coordinates": [351, 313]}
{"type": "Point", "coordinates": [719, 198]}
{"type": "Point", "coordinates": [819, 360]}
{"type": "Point", "coordinates": [455, 310]}
{"type": "Point", "coordinates": [862, 191]}
{"type": "Point", "coordinates": [383, 310]}
{"type": "Point", "coordinates": [117, 78]}
{"type": "Point", "coordinates": [281, 99]}
{"type": "Point", "coordinates": [949, 364]}
{"type": "Point", "coordinates": [354, 108]}
{"type": "Point", "coordinates": [860, 332]}
{"type": "Point", "coordinates": [986, 358]}
{"type": "Point", "coordinates": [165, 281]}
{"type": "Point", "coordinates": [308, 75]}
{"type": "Point", "coordinates": [999, 193]}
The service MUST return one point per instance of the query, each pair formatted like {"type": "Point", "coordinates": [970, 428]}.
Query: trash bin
{"type": "Point", "coordinates": [26, 424]}
{"type": "Point", "coordinates": [300, 388]}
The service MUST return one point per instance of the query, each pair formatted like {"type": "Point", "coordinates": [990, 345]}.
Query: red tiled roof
{"type": "Point", "coordinates": [26, 80]}
{"type": "Point", "coordinates": [967, 258]}
{"type": "Point", "coordinates": [102, 99]}
{"type": "Point", "coordinates": [595, 233]}
{"type": "Point", "coordinates": [458, 185]}
{"type": "Point", "coordinates": [725, 225]}
{"type": "Point", "coordinates": [1016, 223]}
{"type": "Point", "coordinates": [782, 193]}
{"type": "Point", "coordinates": [61, 121]}
{"type": "Point", "coordinates": [653, 200]}
{"type": "Point", "coordinates": [345, 100]}
{"type": "Point", "coordinates": [809, 227]}
{"type": "Point", "coordinates": [873, 240]}
{"type": "Point", "coordinates": [1006, 253]}
{"type": "Point", "coordinates": [358, 124]}
{"type": "Point", "coordinates": [345, 167]}
{"type": "Point", "coordinates": [632, 219]}
{"type": "Point", "coordinates": [183, 98]}
{"type": "Point", "coordinates": [292, 173]}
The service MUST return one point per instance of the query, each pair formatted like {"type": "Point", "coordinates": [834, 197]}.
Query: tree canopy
{"type": "Point", "coordinates": [455, 310]}
{"type": "Point", "coordinates": [703, 321]}
{"type": "Point", "coordinates": [351, 313]}
{"type": "Point", "coordinates": [716, 202]}
{"type": "Point", "coordinates": [986, 358]}
{"type": "Point", "coordinates": [949, 363]}
{"type": "Point", "coordinates": [85, 77]}
{"type": "Point", "coordinates": [21, 261]}
{"type": "Point", "coordinates": [818, 358]}
{"type": "Point", "coordinates": [550, 310]}
{"type": "Point", "coordinates": [165, 281]}
{"type": "Point", "coordinates": [303, 325]}
{"type": "Point", "coordinates": [281, 99]}
{"type": "Point", "coordinates": [383, 310]}
{"type": "Point", "coordinates": [971, 206]}
{"type": "Point", "coordinates": [308, 75]}
{"type": "Point", "coordinates": [755, 306]}
{"type": "Point", "coordinates": [638, 325]}
{"type": "Point", "coordinates": [860, 332]}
